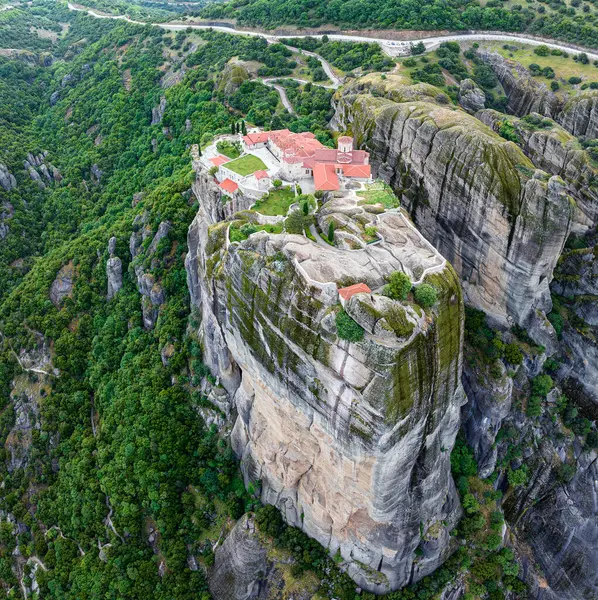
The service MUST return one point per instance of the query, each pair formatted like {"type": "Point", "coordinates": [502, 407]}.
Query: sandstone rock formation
{"type": "Point", "coordinates": [7, 179]}
{"type": "Point", "coordinates": [552, 148]}
{"type": "Point", "coordinates": [245, 567]}
{"type": "Point", "coordinates": [474, 195]}
{"type": "Point", "coordinates": [62, 286]}
{"type": "Point", "coordinates": [114, 271]}
{"type": "Point", "coordinates": [158, 111]}
{"type": "Point", "coordinates": [577, 114]}
{"type": "Point", "coordinates": [470, 96]}
{"type": "Point", "coordinates": [350, 441]}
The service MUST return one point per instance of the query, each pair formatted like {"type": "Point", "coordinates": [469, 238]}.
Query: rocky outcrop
{"type": "Point", "coordinates": [349, 440]}
{"type": "Point", "coordinates": [577, 114]}
{"type": "Point", "coordinates": [525, 94]}
{"type": "Point", "coordinates": [7, 179]}
{"type": "Point", "coordinates": [554, 149]}
{"type": "Point", "coordinates": [232, 77]}
{"type": "Point", "coordinates": [62, 286]}
{"type": "Point", "coordinates": [470, 96]}
{"type": "Point", "coordinates": [556, 521]}
{"type": "Point", "coordinates": [41, 170]}
{"type": "Point", "coordinates": [577, 280]}
{"type": "Point", "coordinates": [474, 195]}
{"type": "Point", "coordinates": [246, 568]}
{"type": "Point", "coordinates": [158, 111]}
{"type": "Point", "coordinates": [114, 271]}
{"type": "Point", "coordinates": [152, 296]}
{"type": "Point", "coordinates": [489, 402]}
{"type": "Point", "coordinates": [580, 115]}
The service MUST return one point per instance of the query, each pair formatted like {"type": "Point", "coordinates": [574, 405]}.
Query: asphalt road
{"type": "Point", "coordinates": [389, 47]}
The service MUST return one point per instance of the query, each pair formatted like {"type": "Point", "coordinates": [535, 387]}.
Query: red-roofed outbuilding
{"type": "Point", "coordinates": [347, 292]}
{"type": "Point", "coordinates": [228, 186]}
{"type": "Point", "coordinates": [261, 174]}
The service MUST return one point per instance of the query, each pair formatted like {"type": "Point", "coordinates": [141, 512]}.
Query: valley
{"type": "Point", "coordinates": [296, 316]}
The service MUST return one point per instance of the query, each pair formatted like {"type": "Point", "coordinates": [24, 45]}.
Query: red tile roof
{"type": "Point", "coordinates": [359, 288]}
{"type": "Point", "coordinates": [325, 177]}
{"type": "Point", "coordinates": [362, 171]}
{"type": "Point", "coordinates": [219, 160]}
{"type": "Point", "coordinates": [257, 138]}
{"type": "Point", "coordinates": [229, 186]}
{"type": "Point", "coordinates": [261, 174]}
{"type": "Point", "coordinates": [345, 139]}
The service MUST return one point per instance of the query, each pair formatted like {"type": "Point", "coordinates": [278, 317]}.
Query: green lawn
{"type": "Point", "coordinates": [276, 203]}
{"type": "Point", "coordinates": [246, 165]}
{"type": "Point", "coordinates": [379, 193]}
{"type": "Point", "coordinates": [563, 67]}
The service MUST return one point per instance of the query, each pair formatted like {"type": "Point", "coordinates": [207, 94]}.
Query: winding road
{"type": "Point", "coordinates": [392, 48]}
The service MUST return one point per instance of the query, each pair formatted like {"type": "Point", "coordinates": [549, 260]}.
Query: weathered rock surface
{"type": "Point", "coordinates": [114, 270]}
{"type": "Point", "coordinates": [158, 111]}
{"type": "Point", "coordinates": [475, 196]}
{"type": "Point", "coordinates": [62, 286]}
{"type": "Point", "coordinates": [7, 179]}
{"type": "Point", "coordinates": [489, 402]}
{"type": "Point", "coordinates": [524, 93]}
{"type": "Point", "coordinates": [554, 149]}
{"type": "Point", "coordinates": [348, 440]}
{"type": "Point", "coordinates": [245, 568]}
{"type": "Point", "coordinates": [577, 114]}
{"type": "Point", "coordinates": [41, 170]}
{"type": "Point", "coordinates": [232, 77]}
{"type": "Point", "coordinates": [577, 279]}
{"type": "Point", "coordinates": [470, 96]}
{"type": "Point", "coordinates": [557, 520]}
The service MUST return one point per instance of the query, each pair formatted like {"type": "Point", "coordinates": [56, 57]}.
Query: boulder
{"type": "Point", "coordinates": [470, 96]}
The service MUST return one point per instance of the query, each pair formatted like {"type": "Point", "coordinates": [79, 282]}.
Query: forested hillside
{"type": "Point", "coordinates": [574, 22]}
{"type": "Point", "coordinates": [101, 434]}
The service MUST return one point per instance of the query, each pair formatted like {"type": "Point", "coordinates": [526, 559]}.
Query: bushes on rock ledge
{"type": "Point", "coordinates": [398, 286]}
{"type": "Point", "coordinates": [347, 328]}
{"type": "Point", "coordinates": [426, 295]}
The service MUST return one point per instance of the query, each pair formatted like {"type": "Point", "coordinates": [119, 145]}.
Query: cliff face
{"type": "Point", "coordinates": [552, 148]}
{"type": "Point", "coordinates": [578, 115]}
{"type": "Point", "coordinates": [351, 441]}
{"type": "Point", "coordinates": [475, 196]}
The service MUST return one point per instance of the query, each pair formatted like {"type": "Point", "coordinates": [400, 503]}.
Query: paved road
{"type": "Point", "coordinates": [283, 94]}
{"type": "Point", "coordinates": [390, 47]}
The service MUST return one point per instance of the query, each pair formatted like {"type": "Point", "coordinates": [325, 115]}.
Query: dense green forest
{"type": "Point", "coordinates": [118, 480]}
{"type": "Point", "coordinates": [576, 23]}
{"type": "Point", "coordinates": [118, 448]}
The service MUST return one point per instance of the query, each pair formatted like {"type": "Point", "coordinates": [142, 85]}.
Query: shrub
{"type": "Point", "coordinates": [410, 63]}
{"type": "Point", "coordinates": [554, 86]}
{"type": "Point", "coordinates": [277, 183]}
{"type": "Point", "coordinates": [398, 286]}
{"type": "Point", "coordinates": [513, 354]}
{"type": "Point", "coordinates": [517, 477]}
{"type": "Point", "coordinates": [347, 328]}
{"type": "Point", "coordinates": [534, 406]}
{"type": "Point", "coordinates": [574, 80]}
{"type": "Point", "coordinates": [541, 385]}
{"type": "Point", "coordinates": [213, 170]}
{"type": "Point", "coordinates": [331, 231]}
{"type": "Point", "coordinates": [542, 50]}
{"type": "Point", "coordinates": [426, 295]}
{"type": "Point", "coordinates": [418, 48]}
{"type": "Point", "coordinates": [557, 321]}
